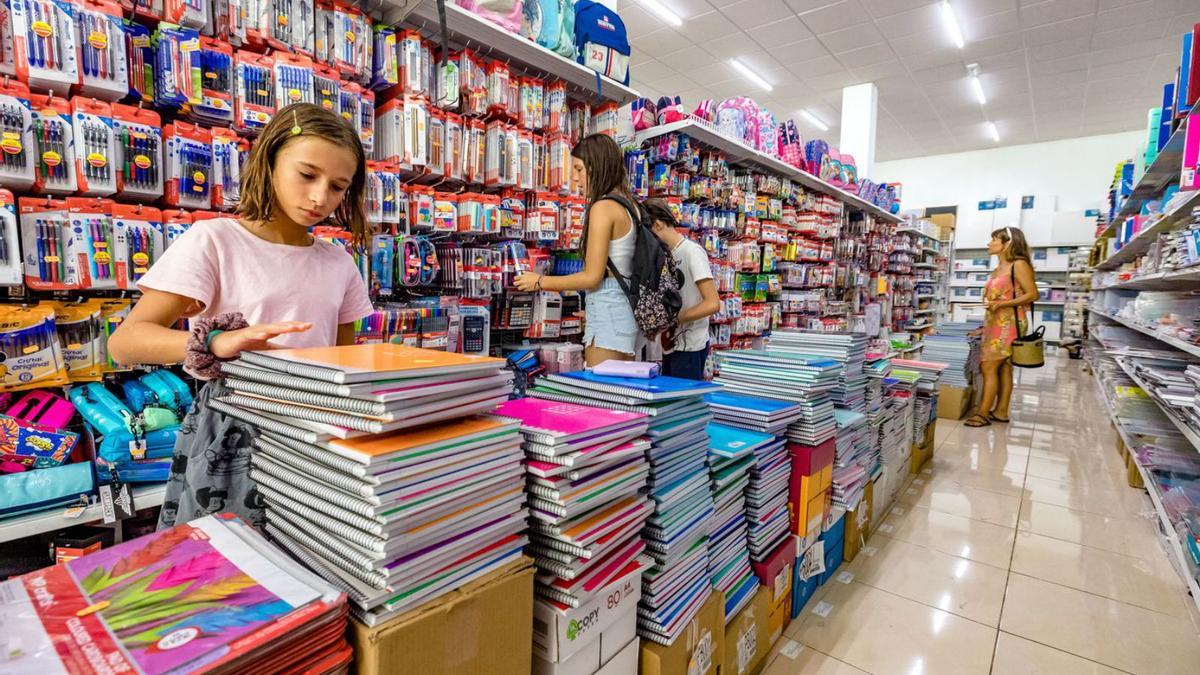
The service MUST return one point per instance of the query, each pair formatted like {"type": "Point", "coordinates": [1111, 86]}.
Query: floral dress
{"type": "Point", "coordinates": [999, 326]}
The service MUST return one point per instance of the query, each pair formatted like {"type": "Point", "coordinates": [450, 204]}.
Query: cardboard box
{"type": "Point", "coordinates": [809, 459]}
{"type": "Point", "coordinates": [482, 627]}
{"type": "Point", "coordinates": [775, 572]}
{"type": "Point", "coordinates": [747, 637]}
{"type": "Point", "coordinates": [954, 402]}
{"type": "Point", "coordinates": [858, 524]}
{"type": "Point", "coordinates": [595, 656]}
{"type": "Point", "coordinates": [699, 650]}
{"type": "Point", "coordinates": [624, 662]}
{"type": "Point", "coordinates": [1133, 475]}
{"type": "Point", "coordinates": [781, 616]}
{"type": "Point", "coordinates": [558, 634]}
{"type": "Point", "coordinates": [807, 519]}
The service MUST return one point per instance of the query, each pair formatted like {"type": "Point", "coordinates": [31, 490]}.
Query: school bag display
{"type": "Point", "coordinates": [601, 40]}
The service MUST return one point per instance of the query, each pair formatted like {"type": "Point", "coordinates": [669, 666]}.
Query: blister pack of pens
{"type": "Point", "coordinates": [54, 144]}
{"type": "Point", "coordinates": [17, 150]}
{"type": "Point", "coordinates": [389, 132]}
{"type": "Point", "coordinates": [139, 231]}
{"type": "Point", "coordinates": [91, 246]}
{"type": "Point", "coordinates": [416, 133]}
{"type": "Point", "coordinates": [175, 223]}
{"type": "Point", "coordinates": [373, 193]}
{"type": "Point", "coordinates": [343, 39]}
{"type": "Point", "coordinates": [293, 79]}
{"type": "Point", "coordinates": [32, 354]}
{"type": "Point", "coordinates": [475, 154]}
{"type": "Point", "coordinates": [95, 146]}
{"type": "Point", "coordinates": [350, 102]}
{"type": "Point", "coordinates": [385, 62]}
{"type": "Point", "coordinates": [436, 143]}
{"type": "Point", "coordinates": [10, 249]}
{"type": "Point", "coordinates": [8, 52]}
{"type": "Point", "coordinates": [383, 261]}
{"type": "Point", "coordinates": [46, 44]}
{"type": "Point", "coordinates": [447, 82]}
{"type": "Point", "coordinates": [103, 62]}
{"type": "Point", "coordinates": [393, 202]}
{"type": "Point", "coordinates": [416, 64]}
{"type": "Point", "coordinates": [255, 101]}
{"type": "Point", "coordinates": [177, 69]}
{"type": "Point", "coordinates": [558, 163]}
{"type": "Point", "coordinates": [139, 45]}
{"type": "Point", "coordinates": [45, 231]}
{"type": "Point", "coordinates": [188, 13]}
{"type": "Point", "coordinates": [326, 88]}
{"type": "Point", "coordinates": [139, 153]}
{"type": "Point", "coordinates": [188, 162]}
{"type": "Point", "coordinates": [229, 154]}
{"type": "Point", "coordinates": [216, 83]}
{"type": "Point", "coordinates": [472, 83]}
{"type": "Point", "coordinates": [150, 11]}
{"type": "Point", "coordinates": [366, 120]}
{"type": "Point", "coordinates": [503, 155]}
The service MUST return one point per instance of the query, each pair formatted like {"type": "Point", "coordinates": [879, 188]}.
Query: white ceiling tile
{"type": "Point", "coordinates": [639, 22]}
{"type": "Point", "coordinates": [1106, 5]}
{"type": "Point", "coordinates": [1149, 30]}
{"type": "Point", "coordinates": [1124, 52]}
{"type": "Point", "coordinates": [799, 52]}
{"type": "Point", "coordinates": [1055, 33]}
{"type": "Point", "coordinates": [1069, 101]}
{"type": "Point", "coordinates": [1064, 65]}
{"type": "Point", "coordinates": [833, 82]}
{"type": "Point", "coordinates": [834, 17]}
{"type": "Point", "coordinates": [869, 56]}
{"type": "Point", "coordinates": [939, 59]}
{"type": "Point", "coordinates": [1060, 49]}
{"type": "Point", "coordinates": [918, 43]}
{"type": "Point", "coordinates": [691, 60]}
{"type": "Point", "coordinates": [976, 8]}
{"type": "Point", "coordinates": [990, 25]}
{"type": "Point", "coordinates": [920, 19]}
{"type": "Point", "coordinates": [1054, 11]}
{"type": "Point", "coordinates": [722, 3]}
{"type": "Point", "coordinates": [826, 65]}
{"type": "Point", "coordinates": [888, 8]}
{"type": "Point", "coordinates": [779, 33]}
{"type": "Point", "coordinates": [854, 37]}
{"type": "Point", "coordinates": [729, 46]}
{"type": "Point", "coordinates": [1128, 69]}
{"type": "Point", "coordinates": [1129, 15]}
{"type": "Point", "coordinates": [652, 71]}
{"type": "Point", "coordinates": [662, 41]}
{"type": "Point", "coordinates": [637, 56]}
{"type": "Point", "coordinates": [1005, 61]}
{"type": "Point", "coordinates": [758, 60]}
{"type": "Point", "coordinates": [943, 73]}
{"type": "Point", "coordinates": [753, 13]}
{"type": "Point", "coordinates": [685, 9]}
{"type": "Point", "coordinates": [801, 6]}
{"type": "Point", "coordinates": [879, 71]}
{"type": "Point", "coordinates": [707, 27]}
{"type": "Point", "coordinates": [993, 46]}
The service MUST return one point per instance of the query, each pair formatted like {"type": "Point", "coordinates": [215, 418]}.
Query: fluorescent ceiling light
{"type": "Point", "coordinates": [977, 87]}
{"type": "Point", "coordinates": [951, 24]}
{"type": "Point", "coordinates": [750, 74]}
{"type": "Point", "coordinates": [812, 119]}
{"type": "Point", "coordinates": [660, 10]}
{"type": "Point", "coordinates": [993, 131]}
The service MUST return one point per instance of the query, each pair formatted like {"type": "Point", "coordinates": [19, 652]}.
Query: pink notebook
{"type": "Point", "coordinates": [562, 422]}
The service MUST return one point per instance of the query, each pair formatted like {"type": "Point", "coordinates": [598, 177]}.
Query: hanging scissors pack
{"type": "Point", "coordinates": [417, 260]}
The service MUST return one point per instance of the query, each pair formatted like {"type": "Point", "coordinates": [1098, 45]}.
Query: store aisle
{"type": "Point", "coordinates": [1021, 549]}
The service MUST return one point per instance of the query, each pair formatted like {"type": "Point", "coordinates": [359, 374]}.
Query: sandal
{"type": "Point", "coordinates": [979, 421]}
{"type": "Point", "coordinates": [992, 418]}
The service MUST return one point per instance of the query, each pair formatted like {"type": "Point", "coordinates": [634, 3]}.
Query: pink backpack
{"type": "Point", "coordinates": [505, 13]}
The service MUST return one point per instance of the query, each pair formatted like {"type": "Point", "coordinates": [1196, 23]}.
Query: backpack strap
{"type": "Point", "coordinates": [635, 216]}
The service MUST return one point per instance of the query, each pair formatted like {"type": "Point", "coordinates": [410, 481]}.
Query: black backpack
{"type": "Point", "coordinates": [654, 282]}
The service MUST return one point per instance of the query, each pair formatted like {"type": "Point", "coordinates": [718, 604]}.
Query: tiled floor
{"type": "Point", "coordinates": [1023, 551]}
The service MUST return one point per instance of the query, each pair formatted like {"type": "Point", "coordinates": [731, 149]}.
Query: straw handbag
{"type": "Point", "coordinates": [1028, 349]}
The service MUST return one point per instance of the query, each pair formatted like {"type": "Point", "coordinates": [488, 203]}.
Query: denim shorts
{"type": "Point", "coordinates": [610, 323]}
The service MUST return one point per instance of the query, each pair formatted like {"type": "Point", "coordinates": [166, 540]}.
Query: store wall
{"type": "Point", "coordinates": [1065, 177]}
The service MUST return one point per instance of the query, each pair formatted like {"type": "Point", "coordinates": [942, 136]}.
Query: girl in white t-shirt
{"type": "Point", "coordinates": [255, 282]}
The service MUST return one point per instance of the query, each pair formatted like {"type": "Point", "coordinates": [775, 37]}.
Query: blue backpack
{"type": "Point", "coordinates": [601, 40]}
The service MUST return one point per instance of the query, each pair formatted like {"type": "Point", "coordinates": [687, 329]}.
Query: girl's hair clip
{"type": "Point", "coordinates": [295, 123]}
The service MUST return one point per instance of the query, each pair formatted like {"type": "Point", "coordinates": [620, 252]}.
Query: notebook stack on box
{"type": "Point", "coordinates": [924, 404]}
{"type": "Point", "coordinates": [877, 368]}
{"type": "Point", "coordinates": [396, 519]}
{"type": "Point", "coordinates": [765, 415]}
{"type": "Point", "coordinates": [959, 353]}
{"type": "Point", "coordinates": [848, 349]}
{"type": "Point", "coordinates": [896, 432]}
{"type": "Point", "coordinates": [805, 380]}
{"type": "Point", "coordinates": [929, 373]}
{"type": "Point", "coordinates": [676, 533]}
{"type": "Point", "coordinates": [731, 454]}
{"type": "Point", "coordinates": [855, 460]}
{"type": "Point", "coordinates": [206, 596]}
{"type": "Point", "coordinates": [586, 476]}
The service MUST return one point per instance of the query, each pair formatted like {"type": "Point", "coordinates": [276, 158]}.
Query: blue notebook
{"type": "Point", "coordinates": [732, 442]}
{"type": "Point", "coordinates": [660, 388]}
{"type": "Point", "coordinates": [754, 404]}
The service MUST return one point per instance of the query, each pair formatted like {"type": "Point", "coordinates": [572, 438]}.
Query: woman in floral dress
{"type": "Point", "coordinates": [1009, 294]}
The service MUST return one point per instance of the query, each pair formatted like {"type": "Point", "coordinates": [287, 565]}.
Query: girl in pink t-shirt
{"type": "Point", "coordinates": [258, 282]}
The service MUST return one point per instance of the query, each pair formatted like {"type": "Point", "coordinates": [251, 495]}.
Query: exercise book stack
{"type": "Point", "coordinates": [960, 354]}
{"type": "Point", "coordinates": [925, 401]}
{"type": "Point", "coordinates": [586, 476]}
{"type": "Point", "coordinates": [731, 455]}
{"type": "Point", "coordinates": [855, 460]}
{"type": "Point", "coordinates": [848, 349]}
{"type": "Point", "coordinates": [396, 519]}
{"type": "Point", "coordinates": [676, 586]}
{"type": "Point", "coordinates": [805, 380]}
{"type": "Point", "coordinates": [877, 368]}
{"type": "Point", "coordinates": [764, 415]}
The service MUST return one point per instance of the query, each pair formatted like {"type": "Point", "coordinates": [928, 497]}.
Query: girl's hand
{"type": "Point", "coordinates": [528, 281]}
{"type": "Point", "coordinates": [231, 343]}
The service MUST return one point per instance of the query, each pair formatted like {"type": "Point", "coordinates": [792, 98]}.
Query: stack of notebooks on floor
{"type": "Point", "coordinates": [805, 380]}
{"type": "Point", "coordinates": [877, 370]}
{"type": "Point", "coordinates": [344, 392]}
{"type": "Point", "coordinates": [765, 415]}
{"type": "Point", "coordinates": [856, 460]}
{"type": "Point", "coordinates": [895, 433]}
{"type": "Point", "coordinates": [676, 533]}
{"type": "Point", "coordinates": [395, 519]}
{"type": "Point", "coordinates": [732, 454]}
{"type": "Point", "coordinates": [586, 477]}
{"type": "Point", "coordinates": [206, 596]}
{"type": "Point", "coordinates": [960, 354]}
{"type": "Point", "coordinates": [929, 375]}
{"type": "Point", "coordinates": [848, 349]}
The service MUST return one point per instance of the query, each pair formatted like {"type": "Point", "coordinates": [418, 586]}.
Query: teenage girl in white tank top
{"type": "Point", "coordinates": [598, 166]}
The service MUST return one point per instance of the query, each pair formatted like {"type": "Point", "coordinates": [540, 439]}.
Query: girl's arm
{"type": "Point", "coordinates": [1023, 271]}
{"type": "Point", "coordinates": [709, 303]}
{"type": "Point", "coordinates": [603, 216]}
{"type": "Point", "coordinates": [146, 335]}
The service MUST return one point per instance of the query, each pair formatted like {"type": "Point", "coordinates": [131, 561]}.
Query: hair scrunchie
{"type": "Point", "coordinates": [200, 361]}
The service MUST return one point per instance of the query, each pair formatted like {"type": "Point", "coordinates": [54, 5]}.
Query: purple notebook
{"type": "Point", "coordinates": [639, 369]}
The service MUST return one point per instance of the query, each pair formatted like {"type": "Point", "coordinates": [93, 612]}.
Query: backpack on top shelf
{"type": "Point", "coordinates": [601, 40]}
{"type": "Point", "coordinates": [557, 25]}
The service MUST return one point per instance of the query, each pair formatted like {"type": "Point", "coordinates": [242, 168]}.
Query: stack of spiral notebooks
{"type": "Point", "coordinates": [321, 393]}
{"type": "Point", "coordinates": [395, 519]}
{"type": "Point", "coordinates": [586, 515]}
{"type": "Point", "coordinates": [731, 456]}
{"type": "Point", "coordinates": [848, 349]}
{"type": "Point", "coordinates": [765, 415]}
{"type": "Point", "coordinates": [676, 585]}
{"type": "Point", "coordinates": [808, 381]}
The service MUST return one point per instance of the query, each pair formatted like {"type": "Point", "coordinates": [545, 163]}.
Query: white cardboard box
{"type": "Point", "coordinates": [596, 656]}
{"type": "Point", "coordinates": [558, 634]}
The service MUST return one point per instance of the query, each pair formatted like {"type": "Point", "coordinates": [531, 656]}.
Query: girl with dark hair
{"type": "Point", "coordinates": [256, 282]}
{"type": "Point", "coordinates": [1009, 293]}
{"type": "Point", "coordinates": [610, 332]}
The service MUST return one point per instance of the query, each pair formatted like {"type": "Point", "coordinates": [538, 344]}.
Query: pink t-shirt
{"type": "Point", "coordinates": [226, 268]}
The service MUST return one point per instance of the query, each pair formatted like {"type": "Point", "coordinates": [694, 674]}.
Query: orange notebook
{"type": "Point", "coordinates": [366, 363]}
{"type": "Point", "coordinates": [463, 433]}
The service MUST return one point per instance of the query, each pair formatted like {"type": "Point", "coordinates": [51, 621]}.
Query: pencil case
{"type": "Point", "coordinates": [170, 390]}
{"type": "Point", "coordinates": [119, 446]}
{"type": "Point", "coordinates": [45, 488]}
{"type": "Point", "coordinates": [100, 408]}
{"type": "Point", "coordinates": [144, 471]}
{"type": "Point", "coordinates": [42, 408]}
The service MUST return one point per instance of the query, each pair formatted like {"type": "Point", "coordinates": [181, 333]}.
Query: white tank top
{"type": "Point", "coordinates": [620, 251]}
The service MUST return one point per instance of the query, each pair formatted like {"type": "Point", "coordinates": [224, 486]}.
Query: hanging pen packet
{"type": "Point", "coordinates": [30, 356]}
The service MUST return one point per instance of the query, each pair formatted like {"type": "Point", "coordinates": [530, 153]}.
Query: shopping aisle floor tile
{"type": "Point", "coordinates": [1028, 526]}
